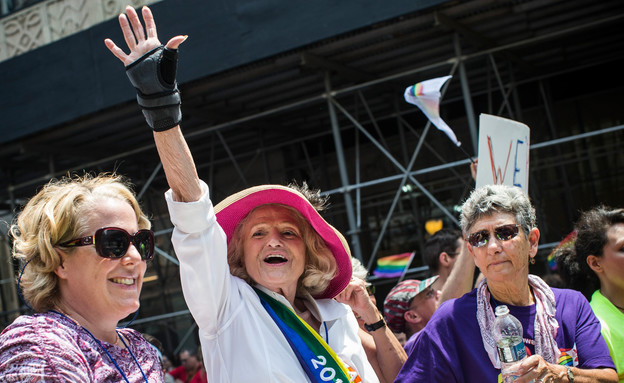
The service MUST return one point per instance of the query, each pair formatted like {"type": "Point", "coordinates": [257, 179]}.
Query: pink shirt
{"type": "Point", "coordinates": [49, 347]}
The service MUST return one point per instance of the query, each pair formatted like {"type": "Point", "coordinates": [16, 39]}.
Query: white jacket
{"type": "Point", "coordinates": [240, 341]}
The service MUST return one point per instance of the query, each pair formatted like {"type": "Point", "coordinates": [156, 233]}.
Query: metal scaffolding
{"type": "Point", "coordinates": [387, 171]}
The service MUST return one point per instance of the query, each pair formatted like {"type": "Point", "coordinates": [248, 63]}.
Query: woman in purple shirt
{"type": "Point", "coordinates": [83, 243]}
{"type": "Point", "coordinates": [560, 332]}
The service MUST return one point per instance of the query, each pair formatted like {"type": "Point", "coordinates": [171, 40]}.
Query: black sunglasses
{"type": "Point", "coordinates": [113, 242]}
{"type": "Point", "coordinates": [502, 233]}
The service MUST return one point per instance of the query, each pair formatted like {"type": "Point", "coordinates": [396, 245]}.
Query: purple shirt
{"type": "Point", "coordinates": [450, 349]}
{"type": "Point", "coordinates": [409, 345]}
{"type": "Point", "coordinates": [49, 347]}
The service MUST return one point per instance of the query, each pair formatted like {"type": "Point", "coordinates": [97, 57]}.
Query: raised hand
{"type": "Point", "coordinates": [356, 296]}
{"type": "Point", "coordinates": [151, 69]}
{"type": "Point", "coordinates": [139, 40]}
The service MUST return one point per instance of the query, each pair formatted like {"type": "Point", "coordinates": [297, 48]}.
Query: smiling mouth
{"type": "Point", "coordinates": [123, 281]}
{"type": "Point", "coordinates": [275, 259]}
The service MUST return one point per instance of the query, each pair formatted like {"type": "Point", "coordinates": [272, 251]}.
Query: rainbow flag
{"type": "Point", "coordinates": [566, 242]}
{"type": "Point", "coordinates": [426, 96]}
{"type": "Point", "coordinates": [393, 266]}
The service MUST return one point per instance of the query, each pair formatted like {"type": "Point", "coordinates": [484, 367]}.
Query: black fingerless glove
{"type": "Point", "coordinates": [153, 76]}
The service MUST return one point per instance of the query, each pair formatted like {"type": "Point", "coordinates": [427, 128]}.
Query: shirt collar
{"type": "Point", "coordinates": [324, 310]}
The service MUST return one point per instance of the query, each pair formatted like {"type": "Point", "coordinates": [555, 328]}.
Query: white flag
{"type": "Point", "coordinates": [426, 95]}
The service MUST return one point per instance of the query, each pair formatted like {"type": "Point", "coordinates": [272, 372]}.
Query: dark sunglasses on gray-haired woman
{"type": "Point", "coordinates": [502, 233]}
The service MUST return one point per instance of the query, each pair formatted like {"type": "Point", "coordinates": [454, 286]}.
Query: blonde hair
{"type": "Point", "coordinates": [320, 267]}
{"type": "Point", "coordinates": [58, 213]}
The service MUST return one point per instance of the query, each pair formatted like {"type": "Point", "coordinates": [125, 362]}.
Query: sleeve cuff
{"type": "Point", "coordinates": [191, 217]}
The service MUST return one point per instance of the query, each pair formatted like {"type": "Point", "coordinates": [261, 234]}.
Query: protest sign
{"type": "Point", "coordinates": [503, 152]}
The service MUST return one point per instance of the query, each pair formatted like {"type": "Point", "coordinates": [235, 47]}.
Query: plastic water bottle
{"type": "Point", "coordinates": [507, 332]}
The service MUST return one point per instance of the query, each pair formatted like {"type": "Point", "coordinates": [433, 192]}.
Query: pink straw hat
{"type": "Point", "coordinates": [234, 208]}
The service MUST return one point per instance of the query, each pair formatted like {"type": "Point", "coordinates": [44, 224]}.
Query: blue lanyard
{"type": "Point", "coordinates": [106, 351]}
{"type": "Point", "coordinates": [326, 333]}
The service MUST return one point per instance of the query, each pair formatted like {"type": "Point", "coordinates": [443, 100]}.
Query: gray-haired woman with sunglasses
{"type": "Point", "coordinates": [83, 243]}
{"type": "Point", "coordinates": [560, 332]}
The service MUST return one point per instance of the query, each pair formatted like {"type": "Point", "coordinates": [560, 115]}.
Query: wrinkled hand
{"type": "Point", "coordinates": [356, 296]}
{"type": "Point", "coordinates": [535, 368]}
{"type": "Point", "coordinates": [139, 40]}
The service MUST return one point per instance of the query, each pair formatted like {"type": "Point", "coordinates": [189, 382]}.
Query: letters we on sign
{"type": "Point", "coordinates": [503, 152]}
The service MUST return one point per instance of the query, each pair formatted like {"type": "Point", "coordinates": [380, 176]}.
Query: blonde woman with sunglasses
{"type": "Point", "coordinates": [560, 332]}
{"type": "Point", "coordinates": [83, 244]}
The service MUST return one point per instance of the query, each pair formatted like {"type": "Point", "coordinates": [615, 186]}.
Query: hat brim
{"type": "Point", "coordinates": [426, 283]}
{"type": "Point", "coordinates": [234, 208]}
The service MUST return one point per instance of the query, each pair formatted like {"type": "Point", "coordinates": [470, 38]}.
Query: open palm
{"type": "Point", "coordinates": [139, 40]}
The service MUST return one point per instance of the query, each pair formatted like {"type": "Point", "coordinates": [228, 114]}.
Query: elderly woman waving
{"type": "Point", "coordinates": [84, 243]}
{"type": "Point", "coordinates": [260, 269]}
{"type": "Point", "coordinates": [560, 332]}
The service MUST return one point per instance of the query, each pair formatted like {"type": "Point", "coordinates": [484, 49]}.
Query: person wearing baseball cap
{"type": "Point", "coordinates": [409, 306]}
{"type": "Point", "coordinates": [259, 271]}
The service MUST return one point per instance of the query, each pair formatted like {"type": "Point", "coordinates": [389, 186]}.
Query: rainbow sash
{"type": "Point", "coordinates": [318, 360]}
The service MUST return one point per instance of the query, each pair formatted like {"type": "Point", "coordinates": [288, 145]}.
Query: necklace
{"type": "Point", "coordinates": [119, 337]}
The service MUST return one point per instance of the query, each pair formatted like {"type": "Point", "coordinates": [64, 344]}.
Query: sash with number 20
{"type": "Point", "coordinates": [318, 360]}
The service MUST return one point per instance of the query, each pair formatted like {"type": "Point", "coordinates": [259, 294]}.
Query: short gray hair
{"type": "Point", "coordinates": [359, 271]}
{"type": "Point", "coordinates": [491, 199]}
